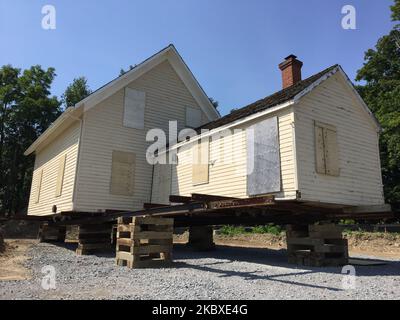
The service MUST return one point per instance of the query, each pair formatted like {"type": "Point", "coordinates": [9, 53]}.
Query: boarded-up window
{"type": "Point", "coordinates": [263, 158]}
{"type": "Point", "coordinates": [38, 185]}
{"type": "Point", "coordinates": [193, 117]}
{"type": "Point", "coordinates": [201, 160]}
{"type": "Point", "coordinates": [60, 175]}
{"type": "Point", "coordinates": [326, 149]}
{"type": "Point", "coordinates": [123, 173]}
{"type": "Point", "coordinates": [134, 106]}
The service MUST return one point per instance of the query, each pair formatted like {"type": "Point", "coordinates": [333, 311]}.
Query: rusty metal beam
{"type": "Point", "coordinates": [241, 203]}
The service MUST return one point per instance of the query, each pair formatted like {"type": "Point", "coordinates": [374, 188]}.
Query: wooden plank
{"type": "Point", "coordinates": [154, 205]}
{"type": "Point", "coordinates": [124, 228]}
{"type": "Point", "coordinates": [330, 248]}
{"type": "Point", "coordinates": [240, 203]}
{"type": "Point", "coordinates": [152, 221]}
{"type": "Point", "coordinates": [152, 249]}
{"type": "Point", "coordinates": [151, 235]}
{"type": "Point", "coordinates": [331, 153]}
{"type": "Point", "coordinates": [369, 209]}
{"type": "Point", "coordinates": [180, 199]}
{"type": "Point", "coordinates": [319, 150]}
{"type": "Point", "coordinates": [125, 256]}
{"type": "Point", "coordinates": [123, 173]}
{"type": "Point", "coordinates": [125, 242]}
{"type": "Point", "coordinates": [207, 197]}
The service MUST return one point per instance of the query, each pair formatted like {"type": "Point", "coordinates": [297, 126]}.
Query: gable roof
{"type": "Point", "coordinates": [268, 102]}
{"type": "Point", "coordinates": [174, 58]}
{"type": "Point", "coordinates": [170, 54]}
{"type": "Point", "coordinates": [281, 97]}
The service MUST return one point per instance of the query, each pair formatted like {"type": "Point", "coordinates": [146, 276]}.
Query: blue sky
{"type": "Point", "coordinates": [233, 47]}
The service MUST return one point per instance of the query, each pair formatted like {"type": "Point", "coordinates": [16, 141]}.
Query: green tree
{"type": "Point", "coordinates": [26, 110]}
{"type": "Point", "coordinates": [381, 73]}
{"type": "Point", "coordinates": [75, 92]}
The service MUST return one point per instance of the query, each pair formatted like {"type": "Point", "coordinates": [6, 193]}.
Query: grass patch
{"type": "Point", "coordinates": [362, 235]}
{"type": "Point", "coordinates": [267, 229]}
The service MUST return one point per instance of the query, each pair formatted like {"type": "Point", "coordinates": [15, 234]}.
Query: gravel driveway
{"type": "Point", "coordinates": [227, 273]}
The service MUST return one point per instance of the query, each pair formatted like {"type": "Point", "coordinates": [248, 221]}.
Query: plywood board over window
{"type": "Point", "coordinates": [263, 158]}
{"type": "Point", "coordinates": [60, 175]}
{"type": "Point", "coordinates": [134, 108]}
{"type": "Point", "coordinates": [123, 173]}
{"type": "Point", "coordinates": [326, 149]}
{"type": "Point", "coordinates": [201, 160]}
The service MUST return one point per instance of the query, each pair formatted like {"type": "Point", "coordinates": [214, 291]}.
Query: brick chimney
{"type": "Point", "coordinates": [291, 71]}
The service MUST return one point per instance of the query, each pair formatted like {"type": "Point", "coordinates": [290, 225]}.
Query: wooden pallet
{"type": "Point", "coordinates": [316, 245]}
{"type": "Point", "coordinates": [144, 242]}
{"type": "Point", "coordinates": [94, 238]}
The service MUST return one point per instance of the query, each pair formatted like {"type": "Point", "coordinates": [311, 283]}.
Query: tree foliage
{"type": "Point", "coordinates": [381, 72]}
{"type": "Point", "coordinates": [75, 92]}
{"type": "Point", "coordinates": [26, 110]}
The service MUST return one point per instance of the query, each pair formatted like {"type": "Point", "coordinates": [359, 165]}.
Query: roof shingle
{"type": "Point", "coordinates": [268, 102]}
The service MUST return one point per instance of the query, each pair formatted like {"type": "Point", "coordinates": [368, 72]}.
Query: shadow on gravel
{"type": "Point", "coordinates": [275, 258]}
{"type": "Point", "coordinates": [226, 255]}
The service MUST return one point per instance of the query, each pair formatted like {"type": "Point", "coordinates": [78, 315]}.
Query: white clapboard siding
{"type": "Point", "coordinates": [359, 175]}
{"type": "Point", "coordinates": [166, 100]}
{"type": "Point", "coordinates": [228, 167]}
{"type": "Point", "coordinates": [60, 175]}
{"type": "Point", "coordinates": [53, 190]}
{"type": "Point", "coordinates": [193, 117]}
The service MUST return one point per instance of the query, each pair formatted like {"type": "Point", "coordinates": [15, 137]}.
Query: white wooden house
{"type": "Point", "coordinates": [314, 141]}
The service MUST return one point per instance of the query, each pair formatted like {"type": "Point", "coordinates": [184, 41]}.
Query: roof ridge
{"type": "Point", "coordinates": [270, 101]}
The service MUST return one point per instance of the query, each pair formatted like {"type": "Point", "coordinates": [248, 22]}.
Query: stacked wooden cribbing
{"type": "Point", "coordinates": [201, 238]}
{"type": "Point", "coordinates": [94, 238]}
{"type": "Point", "coordinates": [316, 245]}
{"type": "Point", "coordinates": [144, 242]}
{"type": "Point", "coordinates": [50, 233]}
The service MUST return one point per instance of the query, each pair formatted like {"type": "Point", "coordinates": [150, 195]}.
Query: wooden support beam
{"type": "Point", "coordinates": [369, 209]}
{"type": "Point", "coordinates": [198, 197]}
{"type": "Point", "coordinates": [154, 205]}
{"type": "Point", "coordinates": [241, 203]}
{"type": "Point", "coordinates": [180, 199]}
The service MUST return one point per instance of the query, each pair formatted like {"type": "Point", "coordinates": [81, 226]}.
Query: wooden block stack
{"type": "Point", "coordinates": [94, 238]}
{"type": "Point", "coordinates": [50, 233]}
{"type": "Point", "coordinates": [144, 242]}
{"type": "Point", "coordinates": [316, 245]}
{"type": "Point", "coordinates": [201, 238]}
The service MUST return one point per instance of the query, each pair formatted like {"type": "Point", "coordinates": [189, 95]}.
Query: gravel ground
{"type": "Point", "coordinates": [227, 273]}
